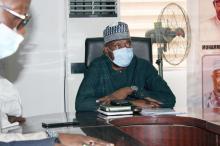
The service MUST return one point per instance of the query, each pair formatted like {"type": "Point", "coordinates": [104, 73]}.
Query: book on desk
{"type": "Point", "coordinates": [115, 113]}
{"type": "Point", "coordinates": [112, 112]}
{"type": "Point", "coordinates": [112, 108]}
{"type": "Point", "coordinates": [105, 117]}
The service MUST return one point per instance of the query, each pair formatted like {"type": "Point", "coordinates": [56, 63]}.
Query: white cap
{"type": "Point", "coordinates": [216, 65]}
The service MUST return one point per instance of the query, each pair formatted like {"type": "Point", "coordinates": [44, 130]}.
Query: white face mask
{"type": "Point", "coordinates": [123, 56]}
{"type": "Point", "coordinates": [9, 41]}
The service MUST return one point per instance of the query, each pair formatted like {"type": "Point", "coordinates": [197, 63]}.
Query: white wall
{"type": "Point", "coordinates": [177, 81]}
{"type": "Point", "coordinates": [194, 81]}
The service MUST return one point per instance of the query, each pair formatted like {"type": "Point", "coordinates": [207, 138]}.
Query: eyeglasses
{"type": "Point", "coordinates": [25, 18]}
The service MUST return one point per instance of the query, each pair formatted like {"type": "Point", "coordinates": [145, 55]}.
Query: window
{"type": "Point", "coordinates": [140, 15]}
{"type": "Point", "coordinates": [92, 8]}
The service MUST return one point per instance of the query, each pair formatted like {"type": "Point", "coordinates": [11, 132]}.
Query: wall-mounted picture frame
{"type": "Point", "coordinates": [211, 85]}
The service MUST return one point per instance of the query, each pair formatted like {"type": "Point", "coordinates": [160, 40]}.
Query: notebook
{"type": "Point", "coordinates": [114, 108]}
{"type": "Point", "coordinates": [111, 113]}
{"type": "Point", "coordinates": [105, 117]}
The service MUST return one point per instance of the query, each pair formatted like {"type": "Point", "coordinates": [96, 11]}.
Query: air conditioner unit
{"type": "Point", "coordinates": [85, 18]}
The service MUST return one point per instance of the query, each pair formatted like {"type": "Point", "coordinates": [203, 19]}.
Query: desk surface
{"type": "Point", "coordinates": [135, 131]}
{"type": "Point", "coordinates": [89, 125]}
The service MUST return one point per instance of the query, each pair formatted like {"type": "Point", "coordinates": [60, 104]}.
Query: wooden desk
{"type": "Point", "coordinates": [170, 130]}
{"type": "Point", "coordinates": [136, 131]}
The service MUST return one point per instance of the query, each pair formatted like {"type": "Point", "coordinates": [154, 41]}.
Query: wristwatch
{"type": "Point", "coordinates": [134, 93]}
{"type": "Point", "coordinates": [134, 88]}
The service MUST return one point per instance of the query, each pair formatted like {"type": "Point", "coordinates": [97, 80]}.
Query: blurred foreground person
{"type": "Point", "coordinates": [13, 18]}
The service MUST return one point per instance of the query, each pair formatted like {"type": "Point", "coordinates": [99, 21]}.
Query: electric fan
{"type": "Point", "coordinates": [172, 35]}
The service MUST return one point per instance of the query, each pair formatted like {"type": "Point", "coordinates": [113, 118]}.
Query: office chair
{"type": "Point", "coordinates": [93, 48]}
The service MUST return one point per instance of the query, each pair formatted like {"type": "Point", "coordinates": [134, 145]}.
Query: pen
{"type": "Point", "coordinates": [63, 124]}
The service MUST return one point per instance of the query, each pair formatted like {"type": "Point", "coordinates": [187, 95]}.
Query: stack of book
{"type": "Point", "coordinates": [112, 112]}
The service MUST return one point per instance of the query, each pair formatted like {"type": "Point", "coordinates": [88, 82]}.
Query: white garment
{"type": "Point", "coordinates": [210, 29]}
{"type": "Point", "coordinates": [18, 136]}
{"type": "Point", "coordinates": [10, 102]}
{"type": "Point", "coordinates": [211, 100]}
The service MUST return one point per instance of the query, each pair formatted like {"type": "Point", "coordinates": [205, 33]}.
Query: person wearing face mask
{"type": "Point", "coordinates": [119, 74]}
{"type": "Point", "coordinates": [13, 18]}
{"type": "Point", "coordinates": [11, 28]}
{"type": "Point", "coordinates": [9, 42]}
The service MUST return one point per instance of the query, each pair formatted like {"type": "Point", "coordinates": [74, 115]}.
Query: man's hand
{"type": "Point", "coordinates": [117, 95]}
{"type": "Point", "coordinates": [13, 119]}
{"type": "Point", "coordinates": [80, 140]}
{"type": "Point", "coordinates": [143, 103]}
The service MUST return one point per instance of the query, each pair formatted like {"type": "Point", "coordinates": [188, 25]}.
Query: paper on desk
{"type": "Point", "coordinates": [160, 111]}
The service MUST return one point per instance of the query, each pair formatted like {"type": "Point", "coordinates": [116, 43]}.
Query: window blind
{"type": "Point", "coordinates": [140, 15]}
{"type": "Point", "coordinates": [92, 8]}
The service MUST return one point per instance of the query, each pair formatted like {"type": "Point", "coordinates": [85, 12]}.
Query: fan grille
{"type": "Point", "coordinates": [173, 18]}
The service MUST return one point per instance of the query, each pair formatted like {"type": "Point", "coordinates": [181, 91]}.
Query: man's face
{"type": "Point", "coordinates": [217, 7]}
{"type": "Point", "coordinates": [19, 6]}
{"type": "Point", "coordinates": [114, 45]}
{"type": "Point", "coordinates": [216, 80]}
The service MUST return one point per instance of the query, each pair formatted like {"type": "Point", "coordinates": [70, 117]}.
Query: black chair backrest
{"type": "Point", "coordinates": [142, 48]}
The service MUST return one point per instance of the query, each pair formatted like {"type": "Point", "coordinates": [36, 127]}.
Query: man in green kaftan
{"type": "Point", "coordinates": [118, 74]}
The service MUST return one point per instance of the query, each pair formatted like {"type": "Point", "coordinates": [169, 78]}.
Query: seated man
{"type": "Point", "coordinates": [119, 74]}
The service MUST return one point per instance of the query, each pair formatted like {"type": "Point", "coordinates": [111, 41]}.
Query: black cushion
{"type": "Point", "coordinates": [94, 48]}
